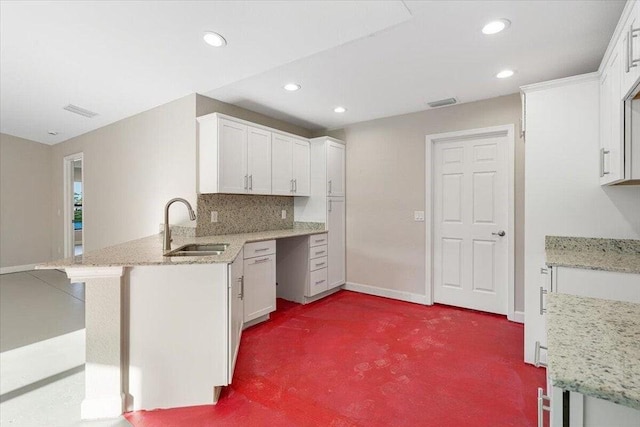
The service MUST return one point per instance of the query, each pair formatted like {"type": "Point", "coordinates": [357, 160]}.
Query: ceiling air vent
{"type": "Point", "coordinates": [79, 110]}
{"type": "Point", "coordinates": [442, 102]}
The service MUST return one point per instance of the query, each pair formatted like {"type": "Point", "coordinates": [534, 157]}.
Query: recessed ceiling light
{"type": "Point", "coordinates": [339, 109]}
{"type": "Point", "coordinates": [504, 74]}
{"type": "Point", "coordinates": [292, 87]}
{"type": "Point", "coordinates": [52, 132]}
{"type": "Point", "coordinates": [214, 39]}
{"type": "Point", "coordinates": [496, 26]}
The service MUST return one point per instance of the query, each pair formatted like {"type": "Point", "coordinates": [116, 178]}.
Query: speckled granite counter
{"type": "Point", "coordinates": [148, 250]}
{"type": "Point", "coordinates": [622, 255]}
{"type": "Point", "coordinates": [594, 347]}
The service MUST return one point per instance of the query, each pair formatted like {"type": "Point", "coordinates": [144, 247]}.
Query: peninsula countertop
{"type": "Point", "coordinates": [148, 250]}
{"type": "Point", "coordinates": [594, 347]}
{"type": "Point", "coordinates": [620, 255]}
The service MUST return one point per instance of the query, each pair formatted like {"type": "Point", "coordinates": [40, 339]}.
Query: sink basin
{"type": "Point", "coordinates": [199, 249]}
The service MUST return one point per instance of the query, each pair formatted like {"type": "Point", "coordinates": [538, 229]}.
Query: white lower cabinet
{"type": "Point", "coordinates": [236, 309]}
{"type": "Point", "coordinates": [259, 280]}
{"type": "Point", "coordinates": [573, 409]}
{"type": "Point", "coordinates": [336, 247]}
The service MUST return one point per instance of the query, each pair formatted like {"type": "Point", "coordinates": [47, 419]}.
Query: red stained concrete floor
{"type": "Point", "coordinates": [358, 360]}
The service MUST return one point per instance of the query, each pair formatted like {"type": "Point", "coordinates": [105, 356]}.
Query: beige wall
{"type": "Point", "coordinates": [206, 105]}
{"type": "Point", "coordinates": [131, 169]}
{"type": "Point", "coordinates": [25, 201]}
{"type": "Point", "coordinates": [385, 184]}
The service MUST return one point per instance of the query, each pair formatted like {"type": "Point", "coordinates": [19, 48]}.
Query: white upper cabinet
{"type": "Point", "coordinates": [281, 165]}
{"type": "Point", "coordinates": [239, 157]}
{"type": "Point", "coordinates": [259, 161]}
{"type": "Point", "coordinates": [335, 169]}
{"type": "Point", "coordinates": [620, 74]}
{"type": "Point", "coordinates": [290, 166]}
{"type": "Point", "coordinates": [611, 119]}
{"type": "Point", "coordinates": [631, 50]}
{"type": "Point", "coordinates": [301, 168]}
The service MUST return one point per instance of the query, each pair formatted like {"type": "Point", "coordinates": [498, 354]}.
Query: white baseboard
{"type": "Point", "coordinates": [518, 317]}
{"type": "Point", "coordinates": [17, 268]}
{"type": "Point", "coordinates": [387, 293]}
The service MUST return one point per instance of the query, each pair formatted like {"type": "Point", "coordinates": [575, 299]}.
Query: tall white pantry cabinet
{"type": "Point", "coordinates": [327, 203]}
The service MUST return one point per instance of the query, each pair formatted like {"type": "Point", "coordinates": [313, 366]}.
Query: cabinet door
{"type": "Point", "coordinates": [232, 161]}
{"type": "Point", "coordinates": [281, 165]}
{"type": "Point", "coordinates": [236, 310]}
{"type": "Point", "coordinates": [301, 170]}
{"type": "Point", "coordinates": [631, 50]}
{"type": "Point", "coordinates": [611, 119]}
{"type": "Point", "coordinates": [336, 226]}
{"type": "Point", "coordinates": [259, 286]}
{"type": "Point", "coordinates": [259, 161]}
{"type": "Point", "coordinates": [335, 169]}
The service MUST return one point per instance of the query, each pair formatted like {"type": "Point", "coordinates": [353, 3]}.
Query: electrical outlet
{"type": "Point", "coordinates": [418, 216]}
{"type": "Point", "coordinates": [214, 216]}
{"type": "Point", "coordinates": [284, 214]}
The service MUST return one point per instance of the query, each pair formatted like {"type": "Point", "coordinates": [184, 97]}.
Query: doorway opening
{"type": "Point", "coordinates": [74, 218]}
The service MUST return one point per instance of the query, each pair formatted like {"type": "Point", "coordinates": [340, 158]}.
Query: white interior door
{"type": "Point", "coordinates": [471, 222]}
{"type": "Point", "coordinates": [259, 161]}
{"type": "Point", "coordinates": [281, 165]}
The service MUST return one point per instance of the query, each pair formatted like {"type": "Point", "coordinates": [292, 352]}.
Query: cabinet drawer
{"type": "Point", "coordinates": [318, 239]}
{"type": "Point", "coordinates": [259, 249]}
{"type": "Point", "coordinates": [318, 282]}
{"type": "Point", "coordinates": [318, 263]}
{"type": "Point", "coordinates": [316, 252]}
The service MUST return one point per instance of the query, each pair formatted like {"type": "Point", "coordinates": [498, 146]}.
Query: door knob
{"type": "Point", "coordinates": [500, 233]}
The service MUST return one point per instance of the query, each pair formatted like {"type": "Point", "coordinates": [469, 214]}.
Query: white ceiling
{"type": "Point", "coordinates": [119, 58]}
{"type": "Point", "coordinates": [376, 58]}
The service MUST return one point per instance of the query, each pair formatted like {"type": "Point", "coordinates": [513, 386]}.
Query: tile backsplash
{"type": "Point", "coordinates": [239, 213]}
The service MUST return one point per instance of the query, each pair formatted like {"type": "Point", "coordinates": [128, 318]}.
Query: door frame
{"type": "Point", "coordinates": [67, 185]}
{"type": "Point", "coordinates": [430, 140]}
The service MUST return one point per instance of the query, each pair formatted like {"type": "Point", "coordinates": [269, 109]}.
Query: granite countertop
{"type": "Point", "coordinates": [594, 347]}
{"type": "Point", "coordinates": [621, 255]}
{"type": "Point", "coordinates": [148, 250]}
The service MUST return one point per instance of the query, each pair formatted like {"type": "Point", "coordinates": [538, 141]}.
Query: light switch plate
{"type": "Point", "coordinates": [418, 216]}
{"type": "Point", "coordinates": [284, 214]}
{"type": "Point", "coordinates": [214, 216]}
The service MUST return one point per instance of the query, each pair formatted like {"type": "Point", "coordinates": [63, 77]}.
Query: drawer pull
{"type": "Point", "coordinates": [542, 407]}
{"type": "Point", "coordinates": [320, 252]}
{"type": "Point", "coordinates": [261, 250]}
{"type": "Point", "coordinates": [320, 263]}
{"type": "Point", "coordinates": [536, 357]}
{"type": "Point", "coordinates": [320, 281]}
{"type": "Point", "coordinates": [543, 292]}
{"type": "Point", "coordinates": [258, 261]}
{"type": "Point", "coordinates": [319, 240]}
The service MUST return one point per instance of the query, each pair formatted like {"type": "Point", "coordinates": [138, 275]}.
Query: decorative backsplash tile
{"type": "Point", "coordinates": [239, 213]}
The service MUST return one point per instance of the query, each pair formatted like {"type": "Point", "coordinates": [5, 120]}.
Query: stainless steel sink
{"type": "Point", "coordinates": [196, 249]}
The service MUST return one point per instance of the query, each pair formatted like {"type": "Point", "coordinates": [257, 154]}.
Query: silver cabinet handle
{"type": "Point", "coordinates": [320, 252]}
{"type": "Point", "coordinates": [291, 185]}
{"type": "Point", "coordinates": [543, 292]}
{"type": "Point", "coordinates": [542, 407]}
{"type": "Point", "coordinates": [536, 357]}
{"type": "Point", "coordinates": [261, 250]}
{"type": "Point", "coordinates": [250, 182]}
{"type": "Point", "coordinates": [241, 280]}
{"type": "Point", "coordinates": [330, 187]}
{"type": "Point", "coordinates": [602, 154]}
{"type": "Point", "coordinates": [631, 62]}
{"type": "Point", "coordinates": [330, 203]}
{"type": "Point", "coordinates": [320, 281]}
{"type": "Point", "coordinates": [319, 240]}
{"type": "Point", "coordinates": [320, 263]}
{"type": "Point", "coordinates": [500, 233]}
{"type": "Point", "coordinates": [246, 182]}
{"type": "Point", "coordinates": [295, 185]}
{"type": "Point", "coordinates": [261, 260]}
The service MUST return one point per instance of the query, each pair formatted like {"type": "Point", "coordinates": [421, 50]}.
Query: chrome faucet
{"type": "Point", "coordinates": [167, 230]}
